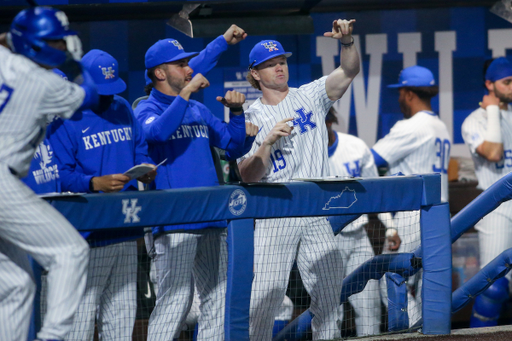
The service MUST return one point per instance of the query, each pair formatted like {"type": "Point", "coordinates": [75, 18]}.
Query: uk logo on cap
{"type": "Point", "coordinates": [270, 46]}
{"type": "Point", "coordinates": [265, 50]}
{"type": "Point", "coordinates": [177, 44]}
{"type": "Point", "coordinates": [108, 72]}
{"type": "Point", "coordinates": [103, 69]}
{"type": "Point", "coordinates": [166, 51]}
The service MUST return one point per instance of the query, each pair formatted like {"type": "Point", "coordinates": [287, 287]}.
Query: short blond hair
{"type": "Point", "coordinates": [254, 83]}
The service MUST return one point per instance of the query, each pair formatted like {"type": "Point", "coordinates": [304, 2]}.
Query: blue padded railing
{"type": "Point", "coordinates": [240, 205]}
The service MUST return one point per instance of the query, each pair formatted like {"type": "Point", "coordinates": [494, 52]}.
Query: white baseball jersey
{"type": "Point", "coordinates": [28, 95]}
{"type": "Point", "coordinates": [350, 156]}
{"type": "Point", "coordinates": [303, 154]}
{"type": "Point", "coordinates": [418, 145]}
{"type": "Point", "coordinates": [473, 130]}
{"type": "Point", "coordinates": [494, 230]}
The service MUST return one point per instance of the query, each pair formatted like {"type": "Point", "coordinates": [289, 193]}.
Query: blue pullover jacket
{"type": "Point", "coordinates": [182, 131]}
{"type": "Point", "coordinates": [90, 144]}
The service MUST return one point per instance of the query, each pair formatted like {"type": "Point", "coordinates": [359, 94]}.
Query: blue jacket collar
{"type": "Point", "coordinates": [161, 97]}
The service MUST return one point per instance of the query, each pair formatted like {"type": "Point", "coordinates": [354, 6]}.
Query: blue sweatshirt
{"type": "Point", "coordinates": [182, 131]}
{"type": "Point", "coordinates": [203, 63]}
{"type": "Point", "coordinates": [90, 144]}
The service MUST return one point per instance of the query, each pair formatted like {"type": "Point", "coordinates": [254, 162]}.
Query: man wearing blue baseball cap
{"type": "Point", "coordinates": [203, 61]}
{"type": "Point", "coordinates": [488, 133]}
{"type": "Point", "coordinates": [292, 144]}
{"type": "Point", "coordinates": [93, 150]}
{"type": "Point", "coordinates": [418, 144]}
{"type": "Point", "coordinates": [182, 130]}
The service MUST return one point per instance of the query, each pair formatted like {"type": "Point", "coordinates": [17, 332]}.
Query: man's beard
{"type": "Point", "coordinates": [503, 98]}
{"type": "Point", "coordinates": [406, 111]}
{"type": "Point", "coordinates": [176, 84]}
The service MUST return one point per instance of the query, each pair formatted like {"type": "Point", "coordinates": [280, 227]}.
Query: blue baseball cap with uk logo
{"type": "Point", "coordinates": [104, 71]}
{"type": "Point", "coordinates": [414, 76]}
{"type": "Point", "coordinates": [166, 51]}
{"type": "Point", "coordinates": [265, 50]}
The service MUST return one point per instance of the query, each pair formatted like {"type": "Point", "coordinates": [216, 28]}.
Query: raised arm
{"type": "Point", "coordinates": [492, 147]}
{"type": "Point", "coordinates": [254, 168]}
{"type": "Point", "coordinates": [339, 80]}
{"type": "Point", "coordinates": [208, 58]}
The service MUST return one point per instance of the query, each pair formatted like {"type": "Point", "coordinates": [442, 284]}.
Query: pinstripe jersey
{"type": "Point", "coordinates": [418, 145]}
{"type": "Point", "coordinates": [350, 156]}
{"type": "Point", "coordinates": [22, 121]}
{"type": "Point", "coordinates": [473, 130]}
{"type": "Point", "coordinates": [303, 154]}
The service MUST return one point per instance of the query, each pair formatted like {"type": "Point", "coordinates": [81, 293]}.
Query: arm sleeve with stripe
{"type": "Point", "coordinates": [400, 142]}
{"type": "Point", "coordinates": [159, 128]}
{"type": "Point", "coordinates": [473, 131]}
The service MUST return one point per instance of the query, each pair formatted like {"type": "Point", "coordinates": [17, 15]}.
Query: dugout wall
{"type": "Point", "coordinates": [242, 204]}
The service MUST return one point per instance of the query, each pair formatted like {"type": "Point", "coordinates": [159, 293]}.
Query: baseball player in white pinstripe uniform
{"type": "Point", "coordinates": [29, 94]}
{"type": "Point", "coordinates": [488, 133]}
{"type": "Point", "coordinates": [418, 144]}
{"type": "Point", "coordinates": [292, 143]}
{"type": "Point", "coordinates": [350, 156]}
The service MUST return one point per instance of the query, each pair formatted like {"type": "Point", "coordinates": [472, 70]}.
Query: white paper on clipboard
{"type": "Point", "coordinates": [139, 170]}
{"type": "Point", "coordinates": [334, 178]}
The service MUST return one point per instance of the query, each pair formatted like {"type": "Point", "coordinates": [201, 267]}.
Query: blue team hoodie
{"type": "Point", "coordinates": [90, 144]}
{"type": "Point", "coordinates": [182, 131]}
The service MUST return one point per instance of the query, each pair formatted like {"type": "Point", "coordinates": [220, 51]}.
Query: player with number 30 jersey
{"type": "Point", "coordinates": [418, 144]}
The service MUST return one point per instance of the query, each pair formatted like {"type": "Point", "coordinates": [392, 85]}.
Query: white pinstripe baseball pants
{"type": "Point", "coordinates": [356, 249]}
{"type": "Point", "coordinates": [409, 230]}
{"type": "Point", "coordinates": [495, 233]}
{"type": "Point", "coordinates": [181, 260]}
{"type": "Point", "coordinates": [110, 294]}
{"type": "Point", "coordinates": [277, 243]}
{"type": "Point", "coordinates": [30, 225]}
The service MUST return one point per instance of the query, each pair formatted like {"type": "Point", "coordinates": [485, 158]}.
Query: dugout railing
{"type": "Point", "coordinates": [241, 204]}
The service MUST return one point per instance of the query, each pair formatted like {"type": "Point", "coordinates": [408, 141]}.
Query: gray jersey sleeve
{"type": "Point", "coordinates": [61, 98]}
{"type": "Point", "coordinates": [400, 142]}
{"type": "Point", "coordinates": [473, 130]}
{"type": "Point", "coordinates": [368, 168]}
